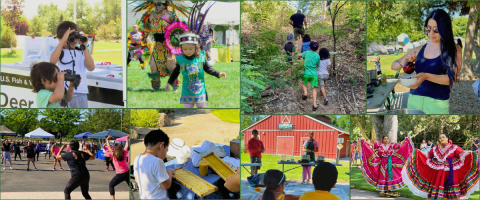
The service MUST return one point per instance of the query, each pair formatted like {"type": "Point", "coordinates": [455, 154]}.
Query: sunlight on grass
{"type": "Point", "coordinates": [106, 46]}
{"type": "Point", "coordinates": [270, 162]}
{"type": "Point", "coordinates": [222, 93]}
{"type": "Point", "coordinates": [227, 115]}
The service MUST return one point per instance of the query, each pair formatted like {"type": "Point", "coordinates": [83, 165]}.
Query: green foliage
{"type": "Point", "coordinates": [97, 120]}
{"type": "Point", "coordinates": [248, 120]}
{"type": "Point", "coordinates": [20, 121]}
{"type": "Point", "coordinates": [50, 16]}
{"type": "Point", "coordinates": [6, 34]}
{"type": "Point", "coordinates": [459, 26]}
{"type": "Point", "coordinates": [342, 122]}
{"type": "Point", "coordinates": [104, 32]}
{"type": "Point", "coordinates": [34, 26]}
{"type": "Point", "coordinates": [62, 121]}
{"type": "Point", "coordinates": [144, 118]}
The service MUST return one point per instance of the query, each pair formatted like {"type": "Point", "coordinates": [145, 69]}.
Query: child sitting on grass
{"type": "Point", "coordinates": [323, 71]}
{"type": "Point", "coordinates": [312, 60]}
{"type": "Point", "coordinates": [48, 84]}
{"type": "Point", "coordinates": [274, 181]}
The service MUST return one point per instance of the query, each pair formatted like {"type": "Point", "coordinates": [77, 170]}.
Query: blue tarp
{"type": "Point", "coordinates": [83, 135]}
{"type": "Point", "coordinates": [110, 132]}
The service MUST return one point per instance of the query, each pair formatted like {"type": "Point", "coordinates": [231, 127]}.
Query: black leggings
{"type": "Point", "coordinates": [108, 161]}
{"type": "Point", "coordinates": [37, 153]}
{"type": "Point", "coordinates": [49, 154]}
{"type": "Point", "coordinates": [117, 179]}
{"type": "Point", "coordinates": [81, 180]}
{"type": "Point", "coordinates": [17, 152]}
{"type": "Point", "coordinates": [129, 59]}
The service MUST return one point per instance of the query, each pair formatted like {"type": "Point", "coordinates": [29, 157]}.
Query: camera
{"type": "Point", "coordinates": [76, 35]}
{"type": "Point", "coordinates": [72, 76]}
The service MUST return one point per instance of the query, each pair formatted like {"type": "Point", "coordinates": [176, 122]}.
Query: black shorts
{"type": "Point", "coordinates": [31, 155]}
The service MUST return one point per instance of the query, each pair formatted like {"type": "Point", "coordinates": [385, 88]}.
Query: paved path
{"type": "Point", "coordinates": [60, 195]}
{"type": "Point", "coordinates": [364, 194]}
{"type": "Point", "coordinates": [45, 181]}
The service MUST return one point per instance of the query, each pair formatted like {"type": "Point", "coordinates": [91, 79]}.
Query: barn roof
{"type": "Point", "coordinates": [314, 119]}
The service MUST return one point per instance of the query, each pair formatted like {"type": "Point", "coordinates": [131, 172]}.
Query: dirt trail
{"type": "Point", "coordinates": [193, 126]}
{"type": "Point", "coordinates": [343, 96]}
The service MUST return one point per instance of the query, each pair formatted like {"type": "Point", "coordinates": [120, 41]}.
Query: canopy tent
{"type": "Point", "coordinates": [110, 132]}
{"type": "Point", "coordinates": [122, 139]}
{"type": "Point", "coordinates": [83, 135]}
{"type": "Point", "coordinates": [39, 133]}
{"type": "Point", "coordinates": [7, 132]}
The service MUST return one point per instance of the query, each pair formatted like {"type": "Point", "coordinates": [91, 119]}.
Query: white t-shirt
{"type": "Point", "coordinates": [79, 68]}
{"type": "Point", "coordinates": [322, 68]}
{"type": "Point", "coordinates": [149, 172]}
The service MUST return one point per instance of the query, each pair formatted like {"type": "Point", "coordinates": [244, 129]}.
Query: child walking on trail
{"type": "Point", "coordinates": [323, 71]}
{"type": "Point", "coordinates": [306, 42]}
{"type": "Point", "coordinates": [312, 60]}
{"type": "Point", "coordinates": [289, 48]}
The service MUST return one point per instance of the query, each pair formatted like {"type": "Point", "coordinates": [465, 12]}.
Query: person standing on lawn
{"type": "Point", "coordinates": [310, 147]}
{"type": "Point", "coordinates": [255, 148]}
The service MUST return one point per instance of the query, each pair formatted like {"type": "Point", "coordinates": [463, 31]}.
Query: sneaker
{"type": "Point", "coordinates": [28, 169]}
{"type": "Point", "coordinates": [61, 169]}
{"type": "Point", "coordinates": [54, 169]}
{"type": "Point", "coordinates": [4, 168]}
{"type": "Point", "coordinates": [11, 167]}
{"type": "Point", "coordinates": [35, 169]}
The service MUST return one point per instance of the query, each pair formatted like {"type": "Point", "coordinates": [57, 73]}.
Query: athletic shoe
{"type": "Point", "coordinates": [54, 169]}
{"type": "Point", "coordinates": [61, 169]}
{"type": "Point", "coordinates": [28, 169]}
{"type": "Point", "coordinates": [108, 169]}
{"type": "Point", "coordinates": [11, 167]}
{"type": "Point", "coordinates": [35, 169]}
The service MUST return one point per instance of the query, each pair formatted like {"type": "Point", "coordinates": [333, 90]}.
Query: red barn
{"type": "Point", "coordinates": [285, 135]}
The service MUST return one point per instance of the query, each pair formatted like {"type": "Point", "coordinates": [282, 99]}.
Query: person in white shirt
{"type": "Point", "coordinates": [150, 173]}
{"type": "Point", "coordinates": [48, 149]}
{"type": "Point", "coordinates": [322, 71]}
{"type": "Point", "coordinates": [69, 57]}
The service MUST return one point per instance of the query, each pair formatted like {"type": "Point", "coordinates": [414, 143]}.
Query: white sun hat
{"type": "Point", "coordinates": [179, 150]}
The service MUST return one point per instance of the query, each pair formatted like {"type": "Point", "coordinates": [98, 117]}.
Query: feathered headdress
{"type": "Point", "coordinates": [195, 23]}
{"type": "Point", "coordinates": [180, 9]}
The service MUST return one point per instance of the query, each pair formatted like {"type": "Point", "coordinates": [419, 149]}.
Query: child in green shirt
{"type": "Point", "coordinates": [312, 60]}
{"type": "Point", "coordinates": [47, 82]}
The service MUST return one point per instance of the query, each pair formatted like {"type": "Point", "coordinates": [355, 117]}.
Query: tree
{"type": "Point", "coordinates": [459, 26]}
{"type": "Point", "coordinates": [50, 17]}
{"type": "Point", "coordinates": [110, 10]}
{"type": "Point", "coordinates": [337, 5]}
{"type": "Point", "coordinates": [86, 20]}
{"type": "Point", "coordinates": [385, 125]}
{"type": "Point", "coordinates": [116, 27]}
{"type": "Point", "coordinates": [21, 121]}
{"type": "Point", "coordinates": [104, 32]}
{"type": "Point", "coordinates": [62, 120]}
{"type": "Point", "coordinates": [11, 12]}
{"type": "Point", "coordinates": [103, 119]}
{"type": "Point", "coordinates": [466, 72]}
{"type": "Point", "coordinates": [35, 26]}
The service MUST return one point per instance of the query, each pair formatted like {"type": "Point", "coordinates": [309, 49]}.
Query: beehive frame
{"type": "Point", "coordinates": [217, 168]}
{"type": "Point", "coordinates": [195, 190]}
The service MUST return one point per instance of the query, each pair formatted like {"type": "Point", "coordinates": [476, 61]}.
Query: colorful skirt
{"type": "Point", "coordinates": [377, 170]}
{"type": "Point", "coordinates": [427, 177]}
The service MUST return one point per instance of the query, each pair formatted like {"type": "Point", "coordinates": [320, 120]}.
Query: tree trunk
{"type": "Point", "coordinates": [466, 73]}
{"type": "Point", "coordinates": [385, 125]}
{"type": "Point", "coordinates": [334, 44]}
{"type": "Point", "coordinates": [440, 129]}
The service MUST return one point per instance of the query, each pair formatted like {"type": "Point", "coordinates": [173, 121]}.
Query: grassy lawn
{"type": "Point", "coordinates": [107, 46]}
{"type": "Point", "coordinates": [270, 162]}
{"type": "Point", "coordinates": [227, 115]}
{"type": "Point", "coordinates": [222, 93]}
{"type": "Point", "coordinates": [115, 57]}
{"type": "Point", "coordinates": [360, 183]}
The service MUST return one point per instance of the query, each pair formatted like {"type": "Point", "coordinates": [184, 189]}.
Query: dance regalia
{"type": "Point", "coordinates": [136, 46]}
{"type": "Point", "coordinates": [382, 165]}
{"type": "Point", "coordinates": [156, 23]}
{"type": "Point", "coordinates": [431, 176]}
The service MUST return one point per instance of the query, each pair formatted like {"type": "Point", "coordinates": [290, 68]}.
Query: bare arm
{"type": "Point", "coordinates": [398, 64]}
{"type": "Point", "coordinates": [58, 50]}
{"type": "Point", "coordinates": [59, 154]}
{"type": "Point", "coordinates": [59, 91]}
{"type": "Point", "coordinates": [89, 64]}
{"type": "Point", "coordinates": [291, 22]}
{"type": "Point", "coordinates": [166, 184]}
{"type": "Point", "coordinates": [70, 90]}
{"type": "Point", "coordinates": [126, 143]}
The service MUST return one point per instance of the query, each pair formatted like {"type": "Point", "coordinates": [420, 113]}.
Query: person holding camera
{"type": "Point", "coordinates": [73, 60]}
{"type": "Point", "coordinates": [47, 82]}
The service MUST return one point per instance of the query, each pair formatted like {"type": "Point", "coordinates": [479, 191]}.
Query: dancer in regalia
{"type": "Point", "coordinates": [445, 172]}
{"type": "Point", "coordinates": [382, 165]}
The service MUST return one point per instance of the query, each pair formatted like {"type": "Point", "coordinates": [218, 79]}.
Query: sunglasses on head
{"type": "Point", "coordinates": [427, 30]}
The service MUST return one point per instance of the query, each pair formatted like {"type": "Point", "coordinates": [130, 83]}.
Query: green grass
{"type": "Point", "coordinates": [115, 57]}
{"type": "Point", "coordinates": [222, 93]}
{"type": "Point", "coordinates": [227, 115]}
{"type": "Point", "coordinates": [360, 183]}
{"type": "Point", "coordinates": [106, 46]}
{"type": "Point", "coordinates": [270, 162]}
{"type": "Point", "coordinates": [386, 63]}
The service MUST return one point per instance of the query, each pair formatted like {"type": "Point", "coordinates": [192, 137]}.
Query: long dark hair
{"type": "Point", "coordinates": [118, 152]}
{"type": "Point", "coordinates": [306, 38]}
{"type": "Point", "coordinates": [324, 54]}
{"type": "Point", "coordinates": [447, 42]}
{"type": "Point", "coordinates": [273, 179]}
{"type": "Point", "coordinates": [384, 137]}
{"type": "Point", "coordinates": [448, 137]}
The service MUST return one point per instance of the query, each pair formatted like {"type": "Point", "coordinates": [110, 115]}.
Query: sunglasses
{"type": "Point", "coordinates": [427, 30]}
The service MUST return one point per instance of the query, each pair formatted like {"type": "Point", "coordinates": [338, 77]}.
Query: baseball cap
{"type": "Point", "coordinates": [290, 37]}
{"type": "Point", "coordinates": [313, 45]}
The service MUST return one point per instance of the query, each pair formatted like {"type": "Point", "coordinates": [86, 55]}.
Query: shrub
{"type": "Point", "coordinates": [21, 28]}
{"type": "Point", "coordinates": [144, 118]}
{"type": "Point", "coordinates": [6, 33]}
